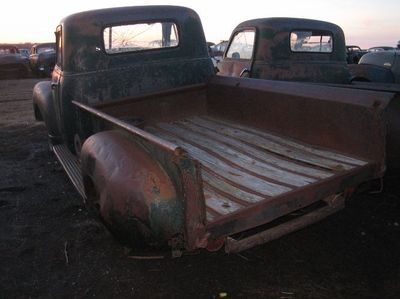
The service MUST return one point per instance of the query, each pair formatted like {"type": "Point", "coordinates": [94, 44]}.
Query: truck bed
{"type": "Point", "coordinates": [243, 166]}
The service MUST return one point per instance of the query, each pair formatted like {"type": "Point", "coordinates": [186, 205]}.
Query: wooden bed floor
{"type": "Point", "coordinates": [242, 166]}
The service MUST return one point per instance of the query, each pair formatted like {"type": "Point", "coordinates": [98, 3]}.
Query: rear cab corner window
{"type": "Point", "coordinates": [140, 37]}
{"type": "Point", "coordinates": [242, 45]}
{"type": "Point", "coordinates": [311, 41]}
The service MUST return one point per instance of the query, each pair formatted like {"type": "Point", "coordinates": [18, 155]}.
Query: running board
{"type": "Point", "coordinates": [334, 203]}
{"type": "Point", "coordinates": [71, 166]}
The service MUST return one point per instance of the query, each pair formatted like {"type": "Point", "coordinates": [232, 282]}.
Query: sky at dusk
{"type": "Point", "coordinates": [366, 23]}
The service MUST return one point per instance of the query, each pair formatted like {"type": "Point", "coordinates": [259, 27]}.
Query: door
{"type": "Point", "coordinates": [239, 56]}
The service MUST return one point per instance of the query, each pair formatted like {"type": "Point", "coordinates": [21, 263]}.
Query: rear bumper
{"type": "Point", "coordinates": [334, 204]}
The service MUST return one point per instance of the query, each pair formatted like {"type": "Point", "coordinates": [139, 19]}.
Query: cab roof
{"type": "Point", "coordinates": [289, 24]}
{"type": "Point", "coordinates": [83, 35]}
{"type": "Point", "coordinates": [274, 35]}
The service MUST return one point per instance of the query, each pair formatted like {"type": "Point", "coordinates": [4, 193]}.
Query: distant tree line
{"type": "Point", "coordinates": [26, 45]}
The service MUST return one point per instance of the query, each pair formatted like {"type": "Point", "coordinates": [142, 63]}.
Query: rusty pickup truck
{"type": "Point", "coordinates": [290, 49]}
{"type": "Point", "coordinates": [168, 153]}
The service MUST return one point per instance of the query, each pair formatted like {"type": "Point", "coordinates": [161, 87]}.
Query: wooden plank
{"type": "Point", "coordinates": [240, 159]}
{"type": "Point", "coordinates": [209, 216]}
{"type": "Point", "coordinates": [323, 153]}
{"type": "Point", "coordinates": [219, 203]}
{"type": "Point", "coordinates": [257, 154]}
{"type": "Point", "coordinates": [275, 147]}
{"type": "Point", "coordinates": [225, 170]}
{"type": "Point", "coordinates": [234, 191]}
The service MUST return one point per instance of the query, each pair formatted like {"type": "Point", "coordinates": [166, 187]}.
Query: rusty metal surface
{"type": "Point", "coordinates": [178, 221]}
{"type": "Point", "coordinates": [194, 203]}
{"type": "Point", "coordinates": [195, 189]}
{"type": "Point", "coordinates": [83, 37]}
{"type": "Point", "coordinates": [261, 150]}
{"type": "Point", "coordinates": [87, 74]}
{"type": "Point", "coordinates": [165, 145]}
{"type": "Point", "coordinates": [136, 196]}
{"type": "Point", "coordinates": [342, 120]}
{"type": "Point", "coordinates": [335, 204]}
{"type": "Point", "coordinates": [44, 108]}
{"type": "Point", "coordinates": [71, 165]}
{"type": "Point", "coordinates": [274, 60]}
{"type": "Point", "coordinates": [161, 106]}
{"type": "Point", "coordinates": [392, 114]}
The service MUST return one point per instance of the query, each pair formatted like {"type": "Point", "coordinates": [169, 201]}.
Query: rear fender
{"type": "Point", "coordinates": [370, 73]}
{"type": "Point", "coordinates": [134, 194]}
{"type": "Point", "coordinates": [44, 109]}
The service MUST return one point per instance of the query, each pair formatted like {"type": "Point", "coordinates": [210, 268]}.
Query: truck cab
{"type": "Point", "coordinates": [111, 54]}
{"type": "Point", "coordinates": [289, 49]}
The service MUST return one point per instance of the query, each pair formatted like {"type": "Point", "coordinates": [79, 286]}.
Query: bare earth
{"type": "Point", "coordinates": [51, 247]}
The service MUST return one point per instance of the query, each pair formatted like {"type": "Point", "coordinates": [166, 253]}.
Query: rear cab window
{"type": "Point", "coordinates": [242, 45]}
{"type": "Point", "coordinates": [140, 37]}
{"type": "Point", "coordinates": [311, 41]}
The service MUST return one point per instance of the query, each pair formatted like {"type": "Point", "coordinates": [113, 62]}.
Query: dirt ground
{"type": "Point", "coordinates": [51, 247]}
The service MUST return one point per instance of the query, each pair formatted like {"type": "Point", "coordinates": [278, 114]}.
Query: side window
{"type": "Point", "coordinates": [311, 41]}
{"type": "Point", "coordinates": [140, 37]}
{"type": "Point", "coordinates": [59, 47]}
{"type": "Point", "coordinates": [242, 45]}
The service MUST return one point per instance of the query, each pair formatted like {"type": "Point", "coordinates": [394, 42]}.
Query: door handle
{"type": "Point", "coordinates": [53, 85]}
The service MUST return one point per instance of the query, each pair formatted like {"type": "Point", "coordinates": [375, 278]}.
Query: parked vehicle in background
{"type": "Point", "coordinates": [24, 52]}
{"type": "Point", "coordinates": [379, 66]}
{"type": "Point", "coordinates": [217, 51]}
{"type": "Point", "coordinates": [288, 49]}
{"type": "Point", "coordinates": [293, 49]}
{"type": "Point", "coordinates": [354, 53]}
{"type": "Point", "coordinates": [380, 49]}
{"type": "Point", "coordinates": [42, 59]}
{"type": "Point", "coordinates": [168, 153]}
{"type": "Point", "coordinates": [12, 63]}
{"type": "Point", "coordinates": [210, 44]}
